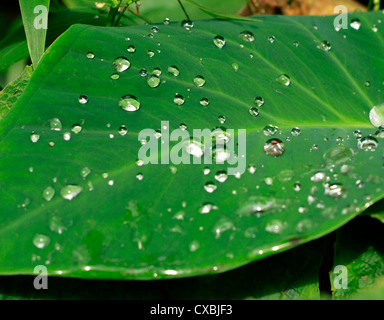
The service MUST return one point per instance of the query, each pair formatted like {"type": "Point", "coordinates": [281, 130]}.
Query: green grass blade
{"type": "Point", "coordinates": [35, 20]}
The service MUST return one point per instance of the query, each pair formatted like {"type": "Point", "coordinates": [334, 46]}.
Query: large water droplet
{"type": "Point", "coordinates": [247, 36]}
{"type": "Point", "coordinates": [121, 64]}
{"type": "Point", "coordinates": [70, 191]}
{"type": "Point", "coordinates": [376, 115]}
{"type": "Point", "coordinates": [219, 41]}
{"type": "Point", "coordinates": [368, 143]}
{"type": "Point", "coordinates": [129, 103]}
{"type": "Point", "coordinates": [194, 148]}
{"type": "Point", "coordinates": [338, 154]}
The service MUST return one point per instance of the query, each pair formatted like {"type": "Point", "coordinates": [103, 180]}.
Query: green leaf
{"type": "Point", "coordinates": [292, 275]}
{"type": "Point", "coordinates": [35, 21]}
{"type": "Point", "coordinates": [359, 248]}
{"type": "Point", "coordinates": [376, 211]}
{"type": "Point", "coordinates": [10, 94]}
{"type": "Point", "coordinates": [158, 221]}
{"type": "Point", "coordinates": [376, 292]}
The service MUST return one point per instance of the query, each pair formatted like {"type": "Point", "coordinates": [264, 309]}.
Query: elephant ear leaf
{"type": "Point", "coordinates": [300, 102]}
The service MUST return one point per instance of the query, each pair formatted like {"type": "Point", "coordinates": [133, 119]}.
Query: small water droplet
{"type": "Point", "coordinates": [270, 130]}
{"type": "Point", "coordinates": [318, 177]}
{"type": "Point", "coordinates": [85, 172]}
{"type": "Point", "coordinates": [76, 128]}
{"type": "Point", "coordinates": [274, 226]}
{"type": "Point", "coordinates": [271, 39]}
{"type": "Point", "coordinates": [219, 41]}
{"type": "Point", "coordinates": [153, 81]}
{"type": "Point", "coordinates": [83, 99]}
{"type": "Point", "coordinates": [41, 241]}
{"type": "Point", "coordinates": [355, 24]}
{"type": "Point", "coordinates": [194, 245]}
{"type": "Point", "coordinates": [259, 101]}
{"type": "Point", "coordinates": [295, 131]}
{"type": "Point", "coordinates": [179, 99]}
{"type": "Point", "coordinates": [55, 124]}
{"type": "Point", "coordinates": [204, 102]}
{"type": "Point", "coordinates": [199, 81]}
{"type": "Point", "coordinates": [207, 208]}
{"type": "Point", "coordinates": [284, 79]}
{"type": "Point", "coordinates": [194, 148]}
{"type": "Point", "coordinates": [235, 66]}
{"type": "Point", "coordinates": [221, 119]}
{"type": "Point", "coordinates": [221, 176]}
{"type": "Point", "coordinates": [253, 111]}
{"type": "Point", "coordinates": [187, 24]}
{"type": "Point", "coordinates": [274, 147]}
{"type": "Point", "coordinates": [131, 48]}
{"type": "Point", "coordinates": [67, 136]}
{"type": "Point", "coordinates": [70, 191]}
{"type": "Point", "coordinates": [247, 36]}
{"type": "Point", "coordinates": [150, 53]}
{"type": "Point", "coordinates": [296, 186]}
{"type": "Point", "coordinates": [335, 190]}
{"type": "Point", "coordinates": [325, 46]}
{"type": "Point", "coordinates": [35, 137]}
{"type": "Point", "coordinates": [115, 76]}
{"type": "Point", "coordinates": [173, 70]}
{"type": "Point", "coordinates": [210, 187]}
{"type": "Point", "coordinates": [143, 72]}
{"type": "Point", "coordinates": [129, 103]}
{"type": "Point", "coordinates": [139, 176]}
{"type": "Point", "coordinates": [48, 193]}
{"type": "Point", "coordinates": [90, 55]}
{"type": "Point", "coordinates": [167, 21]}
{"type": "Point", "coordinates": [121, 64]}
{"type": "Point", "coordinates": [123, 130]}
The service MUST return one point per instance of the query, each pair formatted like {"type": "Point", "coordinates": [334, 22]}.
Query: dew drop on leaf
{"type": "Point", "coordinates": [219, 41]}
{"type": "Point", "coordinates": [83, 99]}
{"type": "Point", "coordinates": [254, 112]}
{"type": "Point", "coordinates": [55, 124]}
{"type": "Point", "coordinates": [355, 24]}
{"type": "Point", "coordinates": [207, 208]}
{"type": "Point", "coordinates": [204, 102]}
{"type": "Point", "coordinates": [274, 226]}
{"type": "Point", "coordinates": [129, 103]}
{"type": "Point", "coordinates": [368, 143]}
{"type": "Point", "coordinates": [153, 81]}
{"type": "Point", "coordinates": [115, 76]}
{"type": "Point", "coordinates": [90, 55]}
{"type": "Point", "coordinates": [325, 46]}
{"type": "Point", "coordinates": [70, 191]}
{"type": "Point", "coordinates": [284, 79]}
{"type": "Point", "coordinates": [173, 70]}
{"type": "Point", "coordinates": [48, 193]}
{"type": "Point", "coordinates": [247, 36]}
{"type": "Point", "coordinates": [194, 148]}
{"type": "Point", "coordinates": [76, 128]}
{"type": "Point", "coordinates": [131, 49]}
{"type": "Point", "coordinates": [121, 64]}
{"type": "Point", "coordinates": [376, 115]}
{"type": "Point", "coordinates": [199, 81]}
{"type": "Point", "coordinates": [295, 131]}
{"type": "Point", "coordinates": [335, 190]}
{"type": "Point", "coordinates": [259, 101]}
{"type": "Point", "coordinates": [270, 130]}
{"type": "Point", "coordinates": [179, 99]}
{"type": "Point", "coordinates": [210, 187]}
{"type": "Point", "coordinates": [187, 24]}
{"type": "Point", "coordinates": [41, 241]}
{"type": "Point", "coordinates": [35, 137]}
{"type": "Point", "coordinates": [221, 176]}
{"type": "Point", "coordinates": [84, 172]}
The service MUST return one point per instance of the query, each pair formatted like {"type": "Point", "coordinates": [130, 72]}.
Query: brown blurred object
{"type": "Point", "coordinates": [298, 7]}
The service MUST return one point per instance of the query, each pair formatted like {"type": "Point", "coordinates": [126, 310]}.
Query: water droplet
{"type": "Point", "coordinates": [296, 186]}
{"type": "Point", "coordinates": [90, 55]}
{"type": "Point", "coordinates": [376, 115]}
{"type": "Point", "coordinates": [155, 29]}
{"type": "Point", "coordinates": [284, 79]}
{"type": "Point", "coordinates": [143, 72]}
{"type": "Point", "coordinates": [253, 111]}
{"type": "Point", "coordinates": [173, 70]}
{"type": "Point", "coordinates": [115, 76]}
{"type": "Point", "coordinates": [76, 128]}
{"type": "Point", "coordinates": [131, 48]}
{"type": "Point", "coordinates": [368, 143]}
{"type": "Point", "coordinates": [123, 130]}
{"type": "Point", "coordinates": [129, 103]}
{"type": "Point", "coordinates": [318, 177]}
{"type": "Point", "coordinates": [121, 64]}
{"type": "Point", "coordinates": [41, 241]}
{"type": "Point", "coordinates": [150, 53]}
{"type": "Point", "coordinates": [194, 245]}
{"type": "Point", "coordinates": [295, 131]}
{"type": "Point", "coordinates": [220, 155]}
{"type": "Point", "coordinates": [355, 24]}
{"type": "Point", "coordinates": [338, 154]}
{"type": "Point", "coordinates": [247, 36]}
{"type": "Point", "coordinates": [194, 148]}
{"type": "Point", "coordinates": [219, 41]}
{"type": "Point", "coordinates": [139, 176]}
{"type": "Point", "coordinates": [167, 21]}
{"type": "Point", "coordinates": [156, 72]}
{"type": "Point", "coordinates": [325, 46]}
{"type": "Point", "coordinates": [67, 136]}
{"type": "Point", "coordinates": [204, 102]}
{"type": "Point", "coordinates": [55, 124]}
{"type": "Point", "coordinates": [221, 176]}
{"type": "Point", "coordinates": [271, 39]}
{"type": "Point", "coordinates": [274, 147]}
{"type": "Point", "coordinates": [83, 99]}
{"type": "Point", "coordinates": [85, 172]}
{"type": "Point", "coordinates": [367, 83]}
{"type": "Point", "coordinates": [210, 187]}
{"type": "Point", "coordinates": [224, 224]}
{"type": "Point", "coordinates": [48, 193]}
{"type": "Point", "coordinates": [235, 66]}
{"type": "Point", "coordinates": [153, 81]}
{"type": "Point", "coordinates": [296, 44]}
{"type": "Point", "coordinates": [70, 191]}
{"type": "Point", "coordinates": [179, 99]}
{"type": "Point", "coordinates": [274, 226]}
{"type": "Point", "coordinates": [259, 101]}
{"type": "Point", "coordinates": [375, 28]}
{"type": "Point", "coordinates": [221, 119]}
{"type": "Point", "coordinates": [207, 208]}
{"type": "Point", "coordinates": [35, 137]}
{"type": "Point", "coordinates": [270, 130]}
{"type": "Point", "coordinates": [187, 24]}
{"type": "Point", "coordinates": [335, 190]}
{"type": "Point", "coordinates": [199, 81]}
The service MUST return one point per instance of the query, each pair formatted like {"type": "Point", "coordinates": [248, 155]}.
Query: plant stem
{"type": "Point", "coordinates": [185, 12]}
